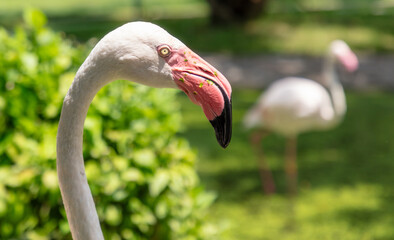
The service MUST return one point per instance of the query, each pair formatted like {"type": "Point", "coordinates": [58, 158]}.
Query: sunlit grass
{"type": "Point", "coordinates": [327, 213]}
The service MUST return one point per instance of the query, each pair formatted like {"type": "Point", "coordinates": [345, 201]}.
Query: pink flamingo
{"type": "Point", "coordinates": [294, 105]}
{"type": "Point", "coordinates": [146, 54]}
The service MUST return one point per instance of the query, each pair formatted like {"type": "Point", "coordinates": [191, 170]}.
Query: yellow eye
{"type": "Point", "coordinates": [164, 51]}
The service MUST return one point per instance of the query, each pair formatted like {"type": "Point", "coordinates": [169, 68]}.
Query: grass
{"type": "Point", "coordinates": [125, 8]}
{"type": "Point", "coordinates": [287, 31]}
{"type": "Point", "coordinates": [345, 175]}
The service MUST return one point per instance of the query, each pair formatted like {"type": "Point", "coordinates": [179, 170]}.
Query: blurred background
{"type": "Point", "coordinates": [345, 175]}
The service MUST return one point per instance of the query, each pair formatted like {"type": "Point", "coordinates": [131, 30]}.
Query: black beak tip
{"type": "Point", "coordinates": [224, 143]}
{"type": "Point", "coordinates": [223, 126]}
{"type": "Point", "coordinates": [222, 136]}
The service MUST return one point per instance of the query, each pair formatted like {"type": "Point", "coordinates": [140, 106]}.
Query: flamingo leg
{"type": "Point", "coordinates": [291, 165]}
{"type": "Point", "coordinates": [267, 181]}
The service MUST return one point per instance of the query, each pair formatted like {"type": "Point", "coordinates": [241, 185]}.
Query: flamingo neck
{"type": "Point", "coordinates": [76, 194]}
{"type": "Point", "coordinates": [334, 86]}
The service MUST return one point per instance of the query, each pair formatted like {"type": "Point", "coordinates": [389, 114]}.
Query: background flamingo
{"type": "Point", "coordinates": [294, 105]}
{"type": "Point", "coordinates": [143, 53]}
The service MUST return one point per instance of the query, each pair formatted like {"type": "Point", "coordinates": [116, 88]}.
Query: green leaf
{"type": "Point", "coordinates": [30, 62]}
{"type": "Point", "coordinates": [113, 183]}
{"type": "Point", "coordinates": [145, 158]}
{"type": "Point", "coordinates": [49, 179]}
{"type": "Point", "coordinates": [132, 175]}
{"type": "Point", "coordinates": [113, 216]}
{"type": "Point", "coordinates": [161, 209]}
{"type": "Point", "coordinates": [35, 18]}
{"type": "Point", "coordinates": [159, 182]}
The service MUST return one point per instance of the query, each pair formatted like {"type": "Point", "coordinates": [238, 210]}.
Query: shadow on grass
{"type": "Point", "coordinates": [364, 218]}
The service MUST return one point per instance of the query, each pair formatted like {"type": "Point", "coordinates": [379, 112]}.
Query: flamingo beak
{"type": "Point", "coordinates": [349, 60]}
{"type": "Point", "coordinates": [206, 87]}
{"type": "Point", "coordinates": [214, 100]}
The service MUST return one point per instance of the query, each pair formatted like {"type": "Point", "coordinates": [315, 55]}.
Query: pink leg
{"type": "Point", "coordinates": [291, 165]}
{"type": "Point", "coordinates": [266, 178]}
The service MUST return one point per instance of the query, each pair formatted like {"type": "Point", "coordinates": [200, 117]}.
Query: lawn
{"type": "Point", "coordinates": [345, 175]}
{"type": "Point", "coordinates": [303, 28]}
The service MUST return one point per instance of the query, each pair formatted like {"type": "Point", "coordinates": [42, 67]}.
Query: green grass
{"type": "Point", "coordinates": [112, 8]}
{"type": "Point", "coordinates": [287, 31]}
{"type": "Point", "coordinates": [345, 175]}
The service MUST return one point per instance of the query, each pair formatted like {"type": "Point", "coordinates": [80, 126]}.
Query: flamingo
{"type": "Point", "coordinates": [294, 105]}
{"type": "Point", "coordinates": [143, 53]}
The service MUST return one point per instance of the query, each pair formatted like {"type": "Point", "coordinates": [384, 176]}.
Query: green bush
{"type": "Point", "coordinates": [141, 175]}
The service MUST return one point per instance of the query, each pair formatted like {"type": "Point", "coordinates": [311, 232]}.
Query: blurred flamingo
{"type": "Point", "coordinates": [294, 105]}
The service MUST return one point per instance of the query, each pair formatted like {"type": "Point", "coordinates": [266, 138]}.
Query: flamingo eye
{"type": "Point", "coordinates": [164, 51]}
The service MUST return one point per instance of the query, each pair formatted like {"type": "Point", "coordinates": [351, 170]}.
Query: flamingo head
{"type": "Point", "coordinates": [344, 55]}
{"type": "Point", "coordinates": [147, 54]}
{"type": "Point", "coordinates": [204, 85]}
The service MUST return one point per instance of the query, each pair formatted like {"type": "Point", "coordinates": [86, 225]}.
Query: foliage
{"type": "Point", "coordinates": [140, 173]}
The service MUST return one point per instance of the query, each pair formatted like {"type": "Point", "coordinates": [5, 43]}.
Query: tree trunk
{"type": "Point", "coordinates": [235, 11]}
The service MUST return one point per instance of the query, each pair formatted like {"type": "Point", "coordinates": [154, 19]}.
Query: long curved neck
{"type": "Point", "coordinates": [334, 87]}
{"type": "Point", "coordinates": [77, 198]}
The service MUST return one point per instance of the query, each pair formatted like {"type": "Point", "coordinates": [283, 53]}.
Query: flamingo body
{"type": "Point", "coordinates": [294, 105]}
